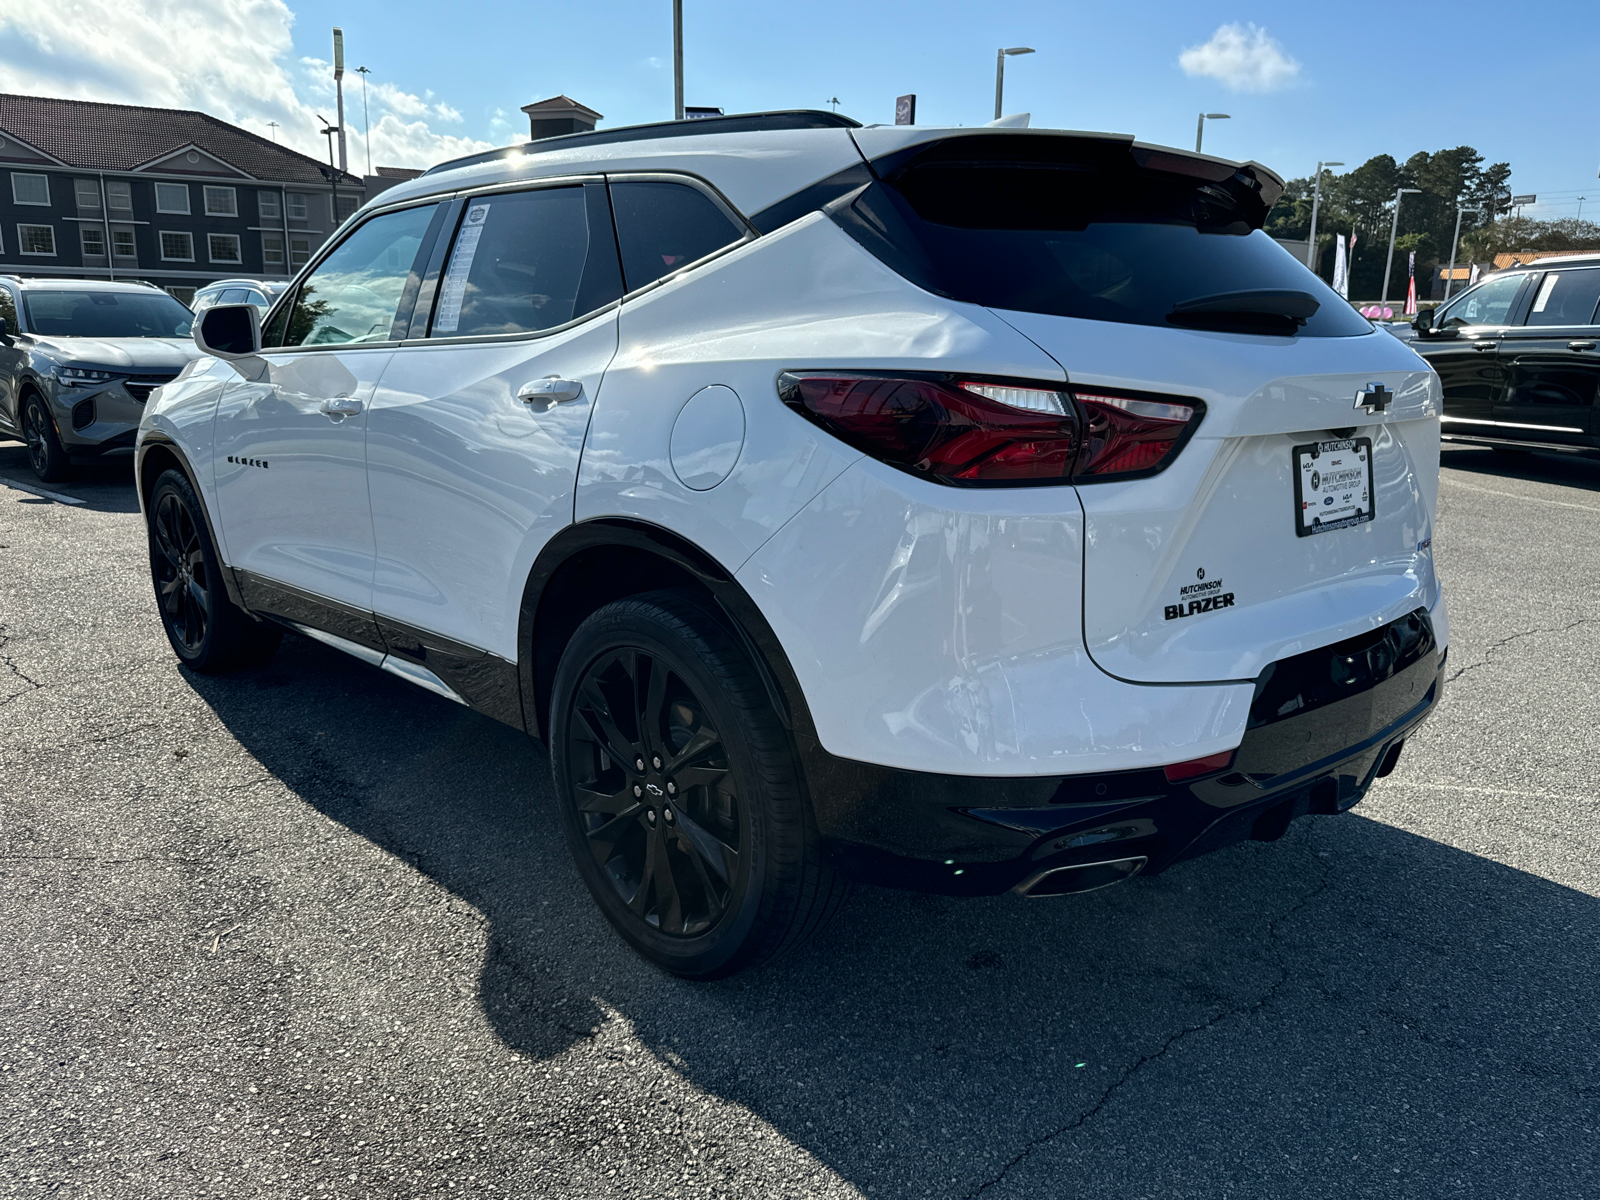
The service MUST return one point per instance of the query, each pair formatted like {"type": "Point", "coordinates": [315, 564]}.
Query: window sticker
{"type": "Point", "coordinates": [1545, 288]}
{"type": "Point", "coordinates": [455, 278]}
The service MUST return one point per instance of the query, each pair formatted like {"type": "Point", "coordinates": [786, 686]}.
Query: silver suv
{"type": "Point", "coordinates": [79, 359]}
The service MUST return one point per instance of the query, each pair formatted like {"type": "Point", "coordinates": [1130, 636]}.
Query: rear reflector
{"type": "Point", "coordinates": [1196, 767]}
{"type": "Point", "coordinates": [993, 433]}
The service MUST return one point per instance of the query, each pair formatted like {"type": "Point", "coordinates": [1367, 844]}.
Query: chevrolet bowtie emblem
{"type": "Point", "coordinates": [1375, 398]}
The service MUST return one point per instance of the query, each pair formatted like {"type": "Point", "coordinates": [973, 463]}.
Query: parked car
{"type": "Point", "coordinates": [78, 361]}
{"type": "Point", "coordinates": [238, 291]}
{"type": "Point", "coordinates": [960, 509]}
{"type": "Point", "coordinates": [1519, 357]}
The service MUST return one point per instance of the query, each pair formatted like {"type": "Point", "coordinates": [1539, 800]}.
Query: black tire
{"type": "Point", "coordinates": [710, 862]}
{"type": "Point", "coordinates": [208, 632]}
{"type": "Point", "coordinates": [45, 454]}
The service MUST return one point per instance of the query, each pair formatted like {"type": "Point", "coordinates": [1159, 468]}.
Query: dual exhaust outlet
{"type": "Point", "coordinates": [1080, 877]}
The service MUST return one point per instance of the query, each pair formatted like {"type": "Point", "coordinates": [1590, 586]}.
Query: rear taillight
{"type": "Point", "coordinates": [992, 432]}
{"type": "Point", "coordinates": [1196, 767]}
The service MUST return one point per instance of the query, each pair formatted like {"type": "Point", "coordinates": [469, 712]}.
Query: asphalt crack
{"type": "Point", "coordinates": [1507, 640]}
{"type": "Point", "coordinates": [10, 665]}
{"type": "Point", "coordinates": [1128, 1073]}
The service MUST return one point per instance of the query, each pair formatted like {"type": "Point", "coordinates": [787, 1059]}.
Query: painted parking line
{"type": "Point", "coordinates": [58, 497]}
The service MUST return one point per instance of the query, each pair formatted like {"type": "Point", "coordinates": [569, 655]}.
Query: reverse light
{"type": "Point", "coordinates": [993, 433]}
{"type": "Point", "coordinates": [1196, 767]}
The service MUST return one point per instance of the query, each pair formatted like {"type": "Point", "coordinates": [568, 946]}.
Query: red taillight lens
{"type": "Point", "coordinates": [1196, 767]}
{"type": "Point", "coordinates": [1124, 435]}
{"type": "Point", "coordinates": [964, 431]}
{"type": "Point", "coordinates": [956, 432]}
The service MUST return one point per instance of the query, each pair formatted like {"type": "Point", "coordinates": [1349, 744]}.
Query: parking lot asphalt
{"type": "Point", "coordinates": [308, 931]}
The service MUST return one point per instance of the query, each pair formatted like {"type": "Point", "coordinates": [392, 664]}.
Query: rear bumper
{"type": "Point", "coordinates": [1324, 725]}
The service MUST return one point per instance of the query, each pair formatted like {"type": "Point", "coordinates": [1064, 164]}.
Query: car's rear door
{"type": "Point", "coordinates": [475, 432]}
{"type": "Point", "coordinates": [1550, 362]}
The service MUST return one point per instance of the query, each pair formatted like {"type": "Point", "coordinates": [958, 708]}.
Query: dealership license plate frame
{"type": "Point", "coordinates": [1307, 484]}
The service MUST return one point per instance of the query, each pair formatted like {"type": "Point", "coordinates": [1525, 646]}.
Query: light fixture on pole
{"type": "Point", "coordinates": [1200, 129]}
{"type": "Point", "coordinates": [274, 127]}
{"type": "Point", "coordinates": [1394, 228]}
{"type": "Point", "coordinates": [1000, 75]}
{"type": "Point", "coordinates": [677, 60]}
{"type": "Point", "coordinates": [1581, 199]}
{"type": "Point", "coordinates": [1451, 276]}
{"type": "Point", "coordinates": [338, 90]}
{"type": "Point", "coordinates": [366, 116]}
{"type": "Point", "coordinates": [1316, 199]}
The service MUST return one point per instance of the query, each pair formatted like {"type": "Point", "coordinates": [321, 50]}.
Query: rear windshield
{"type": "Point", "coordinates": [106, 314]}
{"type": "Point", "coordinates": [1097, 236]}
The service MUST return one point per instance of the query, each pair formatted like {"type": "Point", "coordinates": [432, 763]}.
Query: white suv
{"type": "Point", "coordinates": [959, 509]}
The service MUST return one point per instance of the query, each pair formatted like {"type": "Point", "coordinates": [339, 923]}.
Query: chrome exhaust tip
{"type": "Point", "coordinates": [1080, 877]}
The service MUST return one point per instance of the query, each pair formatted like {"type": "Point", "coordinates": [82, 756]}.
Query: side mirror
{"type": "Point", "coordinates": [1423, 321]}
{"type": "Point", "coordinates": [229, 331]}
{"type": "Point", "coordinates": [5, 331]}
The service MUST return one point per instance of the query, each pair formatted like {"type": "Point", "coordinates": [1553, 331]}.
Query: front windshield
{"type": "Point", "coordinates": [93, 314]}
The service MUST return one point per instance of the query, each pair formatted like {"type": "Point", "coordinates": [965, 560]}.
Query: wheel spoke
{"type": "Point", "coordinates": [705, 846]}
{"type": "Point", "coordinates": [592, 800]}
{"type": "Point", "coordinates": [596, 714]}
{"type": "Point", "coordinates": [640, 900]}
{"type": "Point", "coordinates": [603, 838]}
{"type": "Point", "coordinates": [701, 742]}
{"type": "Point", "coordinates": [698, 776]}
{"type": "Point", "coordinates": [166, 534]}
{"type": "Point", "coordinates": [669, 898]}
{"type": "Point", "coordinates": [653, 704]}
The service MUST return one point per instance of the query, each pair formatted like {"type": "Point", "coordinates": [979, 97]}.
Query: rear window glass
{"type": "Point", "coordinates": [106, 314]}
{"type": "Point", "coordinates": [664, 226]}
{"type": "Point", "coordinates": [1566, 298]}
{"type": "Point", "coordinates": [1100, 239]}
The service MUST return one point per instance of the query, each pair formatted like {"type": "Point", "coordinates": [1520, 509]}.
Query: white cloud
{"type": "Point", "coordinates": [235, 61]}
{"type": "Point", "coordinates": [1245, 58]}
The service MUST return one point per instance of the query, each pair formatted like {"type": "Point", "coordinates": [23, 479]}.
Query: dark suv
{"type": "Point", "coordinates": [1519, 357]}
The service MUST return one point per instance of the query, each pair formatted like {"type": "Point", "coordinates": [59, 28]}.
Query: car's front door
{"type": "Point", "coordinates": [475, 432]}
{"type": "Point", "coordinates": [1464, 350]}
{"type": "Point", "coordinates": [1551, 365]}
{"type": "Point", "coordinates": [12, 358]}
{"type": "Point", "coordinates": [290, 454]}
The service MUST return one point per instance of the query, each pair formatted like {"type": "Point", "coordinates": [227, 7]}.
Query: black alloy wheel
{"type": "Point", "coordinates": [45, 453]}
{"type": "Point", "coordinates": [659, 807]}
{"type": "Point", "coordinates": [207, 630]}
{"type": "Point", "coordinates": [681, 790]}
{"type": "Point", "coordinates": [183, 582]}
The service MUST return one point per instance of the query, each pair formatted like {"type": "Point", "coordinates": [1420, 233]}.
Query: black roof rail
{"type": "Point", "coordinates": [796, 118]}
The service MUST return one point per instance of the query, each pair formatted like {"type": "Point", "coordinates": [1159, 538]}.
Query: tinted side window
{"type": "Point", "coordinates": [354, 294]}
{"type": "Point", "coordinates": [664, 226]}
{"type": "Point", "coordinates": [1486, 304]}
{"type": "Point", "coordinates": [524, 262]}
{"type": "Point", "coordinates": [1566, 298]}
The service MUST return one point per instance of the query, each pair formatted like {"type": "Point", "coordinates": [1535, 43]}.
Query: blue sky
{"type": "Point", "coordinates": [1350, 81]}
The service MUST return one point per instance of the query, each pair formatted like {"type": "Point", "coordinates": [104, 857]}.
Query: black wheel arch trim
{"type": "Point", "coordinates": [166, 444]}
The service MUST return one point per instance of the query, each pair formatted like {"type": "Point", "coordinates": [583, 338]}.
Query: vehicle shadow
{"type": "Point", "coordinates": [1545, 466]}
{"type": "Point", "coordinates": [1355, 1009]}
{"type": "Point", "coordinates": [103, 486]}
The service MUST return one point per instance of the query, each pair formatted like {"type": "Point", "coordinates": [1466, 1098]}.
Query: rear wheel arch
{"type": "Point", "coordinates": [593, 563]}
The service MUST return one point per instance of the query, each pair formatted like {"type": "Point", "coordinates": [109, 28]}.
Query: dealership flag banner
{"type": "Point", "coordinates": [1472, 276]}
{"type": "Point", "coordinates": [1411, 286]}
{"type": "Point", "coordinates": [1341, 269]}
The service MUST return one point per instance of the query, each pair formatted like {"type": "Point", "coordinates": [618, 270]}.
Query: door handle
{"type": "Point", "coordinates": [1484, 346]}
{"type": "Point", "coordinates": [1580, 345]}
{"type": "Point", "coordinates": [340, 407]}
{"type": "Point", "coordinates": [544, 394]}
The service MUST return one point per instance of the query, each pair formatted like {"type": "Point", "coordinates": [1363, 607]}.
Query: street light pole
{"type": "Point", "coordinates": [1394, 227]}
{"type": "Point", "coordinates": [329, 129]}
{"type": "Point", "coordinates": [1000, 76]}
{"type": "Point", "coordinates": [1200, 129]}
{"type": "Point", "coordinates": [366, 117]}
{"type": "Point", "coordinates": [1450, 278]}
{"type": "Point", "coordinates": [677, 60]}
{"type": "Point", "coordinates": [1316, 199]}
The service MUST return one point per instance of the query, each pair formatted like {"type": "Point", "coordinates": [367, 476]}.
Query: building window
{"type": "Point", "coordinates": [94, 241]}
{"type": "Point", "coordinates": [267, 205]}
{"type": "Point", "coordinates": [36, 239]}
{"type": "Point", "coordinates": [177, 247]}
{"type": "Point", "coordinates": [119, 195]}
{"type": "Point", "coordinates": [297, 207]}
{"type": "Point", "coordinates": [272, 250]}
{"type": "Point", "coordinates": [347, 205]}
{"type": "Point", "coordinates": [299, 252]}
{"type": "Point", "coordinates": [122, 244]}
{"type": "Point", "coordinates": [223, 247]}
{"type": "Point", "coordinates": [221, 202]}
{"type": "Point", "coordinates": [30, 189]}
{"type": "Point", "coordinates": [88, 194]}
{"type": "Point", "coordinates": [172, 197]}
